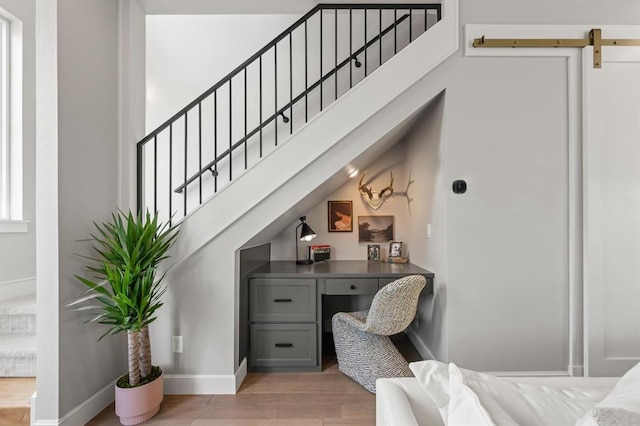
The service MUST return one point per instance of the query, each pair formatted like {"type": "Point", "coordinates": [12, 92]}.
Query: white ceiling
{"type": "Point", "coordinates": [205, 7]}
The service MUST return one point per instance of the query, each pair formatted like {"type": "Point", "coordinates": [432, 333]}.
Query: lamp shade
{"type": "Point", "coordinates": [306, 233]}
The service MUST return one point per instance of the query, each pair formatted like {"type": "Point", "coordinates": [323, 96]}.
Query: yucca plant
{"type": "Point", "coordinates": [125, 285]}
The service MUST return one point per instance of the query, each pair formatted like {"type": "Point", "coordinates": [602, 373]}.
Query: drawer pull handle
{"type": "Point", "coordinates": [353, 287]}
{"type": "Point", "coordinates": [282, 300]}
{"type": "Point", "coordinates": [284, 345]}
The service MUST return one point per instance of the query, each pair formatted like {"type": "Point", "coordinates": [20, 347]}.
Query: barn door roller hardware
{"type": "Point", "coordinates": [595, 39]}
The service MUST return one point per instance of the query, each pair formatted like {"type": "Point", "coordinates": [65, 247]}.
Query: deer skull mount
{"type": "Point", "coordinates": [375, 199]}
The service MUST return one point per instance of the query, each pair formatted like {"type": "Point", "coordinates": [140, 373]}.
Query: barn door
{"type": "Point", "coordinates": [611, 124]}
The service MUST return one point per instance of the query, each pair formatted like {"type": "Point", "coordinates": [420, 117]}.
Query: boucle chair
{"type": "Point", "coordinates": [363, 348]}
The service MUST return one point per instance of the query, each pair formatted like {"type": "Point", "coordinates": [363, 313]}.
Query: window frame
{"type": "Point", "coordinates": [5, 142]}
{"type": "Point", "coordinates": [11, 179]}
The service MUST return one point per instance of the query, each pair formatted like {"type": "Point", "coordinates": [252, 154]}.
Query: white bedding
{"type": "Point", "coordinates": [404, 401]}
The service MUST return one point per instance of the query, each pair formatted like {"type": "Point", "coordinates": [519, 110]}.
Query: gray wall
{"type": "Point", "coordinates": [17, 251]}
{"type": "Point", "coordinates": [425, 154]}
{"type": "Point", "coordinates": [87, 183]}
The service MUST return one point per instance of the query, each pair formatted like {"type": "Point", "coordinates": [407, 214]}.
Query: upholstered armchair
{"type": "Point", "coordinates": [363, 348]}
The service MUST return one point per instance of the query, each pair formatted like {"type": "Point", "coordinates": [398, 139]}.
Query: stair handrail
{"type": "Point", "coordinates": [208, 167]}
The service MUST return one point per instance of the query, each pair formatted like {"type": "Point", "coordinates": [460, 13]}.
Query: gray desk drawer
{"type": "Point", "coordinates": [283, 345]}
{"type": "Point", "coordinates": [384, 281]}
{"type": "Point", "coordinates": [272, 299]}
{"type": "Point", "coordinates": [352, 286]}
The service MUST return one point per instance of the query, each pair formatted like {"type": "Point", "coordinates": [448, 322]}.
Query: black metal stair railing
{"type": "Point", "coordinates": [188, 148]}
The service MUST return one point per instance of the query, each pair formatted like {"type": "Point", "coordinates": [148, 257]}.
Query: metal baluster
{"type": "Point", "coordinates": [395, 31]}
{"type": "Point", "coordinates": [245, 119]}
{"type": "Point", "coordinates": [364, 11]}
{"type": "Point", "coordinates": [350, 47]}
{"type": "Point", "coordinates": [410, 25]}
{"type": "Point", "coordinates": [215, 141]}
{"type": "Point", "coordinates": [155, 173]}
{"type": "Point", "coordinates": [321, 14]}
{"type": "Point", "coordinates": [260, 63]}
{"type": "Point", "coordinates": [139, 153]}
{"type": "Point", "coordinates": [380, 36]}
{"type": "Point", "coordinates": [335, 52]}
{"type": "Point", "coordinates": [200, 151]}
{"type": "Point", "coordinates": [306, 76]}
{"type": "Point", "coordinates": [425, 19]}
{"type": "Point", "coordinates": [185, 189]}
{"type": "Point", "coordinates": [230, 133]}
{"type": "Point", "coordinates": [275, 90]}
{"type": "Point", "coordinates": [170, 170]}
{"type": "Point", "coordinates": [290, 83]}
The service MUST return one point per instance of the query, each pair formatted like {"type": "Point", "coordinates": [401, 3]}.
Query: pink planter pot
{"type": "Point", "coordinates": [137, 405]}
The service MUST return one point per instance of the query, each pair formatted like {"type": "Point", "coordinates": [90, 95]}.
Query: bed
{"type": "Point", "coordinates": [442, 394]}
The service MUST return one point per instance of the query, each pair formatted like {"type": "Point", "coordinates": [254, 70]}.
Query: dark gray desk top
{"type": "Point", "coordinates": [337, 269]}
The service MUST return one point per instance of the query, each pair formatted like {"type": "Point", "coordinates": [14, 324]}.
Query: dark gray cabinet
{"type": "Point", "coordinates": [285, 306]}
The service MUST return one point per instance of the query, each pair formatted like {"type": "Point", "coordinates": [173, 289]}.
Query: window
{"type": "Point", "coordinates": [4, 121]}
{"type": "Point", "coordinates": [11, 124]}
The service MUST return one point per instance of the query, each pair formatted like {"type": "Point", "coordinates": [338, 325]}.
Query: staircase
{"type": "Point", "coordinates": [18, 337]}
{"type": "Point", "coordinates": [268, 98]}
{"type": "Point", "coordinates": [230, 191]}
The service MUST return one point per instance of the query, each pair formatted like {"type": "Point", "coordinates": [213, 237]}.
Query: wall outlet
{"type": "Point", "coordinates": [428, 230]}
{"type": "Point", "coordinates": [176, 344]}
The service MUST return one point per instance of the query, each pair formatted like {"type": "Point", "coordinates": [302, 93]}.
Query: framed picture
{"type": "Point", "coordinates": [395, 249]}
{"type": "Point", "coordinates": [374, 229]}
{"type": "Point", "coordinates": [340, 214]}
{"type": "Point", "coordinates": [373, 252]}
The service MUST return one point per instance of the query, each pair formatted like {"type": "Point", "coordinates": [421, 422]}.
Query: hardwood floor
{"type": "Point", "coordinates": [327, 398]}
{"type": "Point", "coordinates": [275, 399]}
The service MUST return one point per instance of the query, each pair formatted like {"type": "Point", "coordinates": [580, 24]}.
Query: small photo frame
{"type": "Point", "coordinates": [395, 249]}
{"type": "Point", "coordinates": [375, 229]}
{"type": "Point", "coordinates": [373, 252]}
{"type": "Point", "coordinates": [340, 215]}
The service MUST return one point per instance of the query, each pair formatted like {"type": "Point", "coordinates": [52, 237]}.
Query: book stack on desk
{"type": "Point", "coordinates": [320, 252]}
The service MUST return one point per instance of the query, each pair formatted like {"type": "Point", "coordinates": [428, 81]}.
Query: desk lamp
{"type": "Point", "coordinates": [306, 234]}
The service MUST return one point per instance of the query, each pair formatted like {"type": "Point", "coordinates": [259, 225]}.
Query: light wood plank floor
{"type": "Point", "coordinates": [327, 398]}
{"type": "Point", "coordinates": [275, 399]}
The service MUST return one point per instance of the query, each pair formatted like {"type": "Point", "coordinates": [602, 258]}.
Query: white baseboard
{"type": "Point", "coordinates": [241, 373]}
{"type": "Point", "coordinates": [176, 384]}
{"type": "Point", "coordinates": [201, 384]}
{"type": "Point", "coordinates": [17, 288]}
{"type": "Point", "coordinates": [81, 414]}
{"type": "Point", "coordinates": [423, 350]}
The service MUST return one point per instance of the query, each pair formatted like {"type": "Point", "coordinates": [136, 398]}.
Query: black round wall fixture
{"type": "Point", "coordinates": [459, 186]}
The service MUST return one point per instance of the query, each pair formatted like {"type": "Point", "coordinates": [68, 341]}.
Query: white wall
{"type": "Point", "coordinates": [18, 250]}
{"type": "Point", "coordinates": [426, 159]}
{"type": "Point", "coordinates": [87, 184]}
{"type": "Point", "coordinates": [345, 245]}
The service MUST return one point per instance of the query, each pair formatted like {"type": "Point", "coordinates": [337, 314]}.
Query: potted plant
{"type": "Point", "coordinates": [124, 293]}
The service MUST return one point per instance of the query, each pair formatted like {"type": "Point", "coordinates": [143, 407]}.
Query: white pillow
{"type": "Point", "coordinates": [621, 407]}
{"type": "Point", "coordinates": [482, 399]}
{"type": "Point", "coordinates": [433, 377]}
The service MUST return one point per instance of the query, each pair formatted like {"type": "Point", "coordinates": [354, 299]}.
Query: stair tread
{"type": "Point", "coordinates": [16, 392]}
{"type": "Point", "coordinates": [17, 345]}
{"type": "Point", "coordinates": [19, 305]}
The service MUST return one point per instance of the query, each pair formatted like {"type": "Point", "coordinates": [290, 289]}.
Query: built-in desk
{"type": "Point", "coordinates": [286, 306]}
